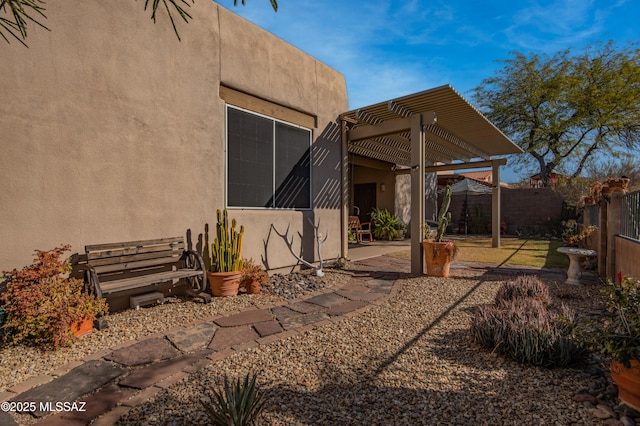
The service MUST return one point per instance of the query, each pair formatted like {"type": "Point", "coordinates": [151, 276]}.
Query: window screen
{"type": "Point", "coordinates": [268, 162]}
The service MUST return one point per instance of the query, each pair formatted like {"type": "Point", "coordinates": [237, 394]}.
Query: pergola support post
{"type": "Point", "coordinates": [417, 193]}
{"type": "Point", "coordinates": [495, 203]}
{"type": "Point", "coordinates": [344, 202]}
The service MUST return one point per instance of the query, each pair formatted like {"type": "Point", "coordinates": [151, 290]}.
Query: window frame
{"type": "Point", "coordinates": [273, 159]}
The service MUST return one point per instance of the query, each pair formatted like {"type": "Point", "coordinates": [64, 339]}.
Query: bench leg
{"type": "Point", "coordinates": [100, 323]}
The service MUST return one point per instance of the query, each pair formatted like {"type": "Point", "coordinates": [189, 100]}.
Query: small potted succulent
{"type": "Point", "coordinates": [617, 336]}
{"type": "Point", "coordinates": [253, 276]}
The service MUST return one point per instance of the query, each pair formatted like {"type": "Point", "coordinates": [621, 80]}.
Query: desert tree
{"type": "Point", "coordinates": [16, 15]}
{"type": "Point", "coordinates": [566, 109]}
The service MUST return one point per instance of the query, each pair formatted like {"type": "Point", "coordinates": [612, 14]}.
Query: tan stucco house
{"type": "Point", "coordinates": [112, 130]}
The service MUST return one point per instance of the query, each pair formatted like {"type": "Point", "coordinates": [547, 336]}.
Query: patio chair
{"type": "Point", "coordinates": [360, 229]}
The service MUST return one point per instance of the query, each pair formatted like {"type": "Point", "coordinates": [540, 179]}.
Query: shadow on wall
{"type": "Point", "coordinates": [326, 187]}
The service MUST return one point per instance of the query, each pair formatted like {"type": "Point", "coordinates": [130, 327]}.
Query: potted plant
{"type": "Point", "coordinates": [617, 336]}
{"type": "Point", "coordinates": [438, 252]}
{"type": "Point", "coordinates": [44, 305]}
{"type": "Point", "coordinates": [253, 276]}
{"type": "Point", "coordinates": [224, 263]}
{"type": "Point", "coordinates": [616, 184]}
{"type": "Point", "coordinates": [385, 225]}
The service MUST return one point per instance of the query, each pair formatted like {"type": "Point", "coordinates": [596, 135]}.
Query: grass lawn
{"type": "Point", "coordinates": [512, 251]}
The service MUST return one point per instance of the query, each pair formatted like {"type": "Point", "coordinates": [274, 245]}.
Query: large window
{"type": "Point", "coordinates": [268, 162]}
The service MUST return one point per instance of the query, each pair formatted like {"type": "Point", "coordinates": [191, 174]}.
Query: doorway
{"type": "Point", "coordinates": [364, 198]}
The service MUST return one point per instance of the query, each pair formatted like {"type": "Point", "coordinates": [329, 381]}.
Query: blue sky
{"type": "Point", "coordinates": [387, 49]}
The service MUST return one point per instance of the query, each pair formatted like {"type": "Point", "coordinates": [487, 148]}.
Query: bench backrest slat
{"type": "Point", "coordinates": [134, 254]}
{"type": "Point", "coordinates": [128, 266]}
{"type": "Point", "coordinates": [112, 246]}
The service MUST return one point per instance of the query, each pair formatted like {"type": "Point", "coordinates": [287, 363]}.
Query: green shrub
{"type": "Point", "coordinates": [237, 404]}
{"type": "Point", "coordinates": [42, 301]}
{"type": "Point", "coordinates": [524, 329]}
{"type": "Point", "coordinates": [385, 225]}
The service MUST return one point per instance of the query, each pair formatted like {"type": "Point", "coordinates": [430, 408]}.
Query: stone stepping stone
{"type": "Point", "coordinates": [245, 318]}
{"type": "Point", "coordinates": [77, 382]}
{"type": "Point", "coordinates": [6, 419]}
{"type": "Point", "coordinates": [227, 337]}
{"type": "Point", "coordinates": [379, 285]}
{"type": "Point", "coordinates": [367, 296]}
{"type": "Point", "coordinates": [303, 320]}
{"type": "Point", "coordinates": [305, 307]}
{"type": "Point", "coordinates": [193, 338]}
{"type": "Point", "coordinates": [144, 352]}
{"type": "Point", "coordinates": [327, 300]}
{"type": "Point", "coordinates": [283, 313]}
{"type": "Point", "coordinates": [97, 404]}
{"type": "Point", "coordinates": [155, 373]}
{"type": "Point", "coordinates": [268, 328]}
{"type": "Point", "coordinates": [349, 306]}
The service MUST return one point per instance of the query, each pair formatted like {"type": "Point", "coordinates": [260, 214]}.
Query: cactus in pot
{"type": "Point", "coordinates": [226, 250]}
{"type": "Point", "coordinates": [224, 263]}
{"type": "Point", "coordinates": [444, 215]}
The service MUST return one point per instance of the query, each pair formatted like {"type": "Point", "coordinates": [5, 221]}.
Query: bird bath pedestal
{"type": "Point", "coordinates": [574, 273]}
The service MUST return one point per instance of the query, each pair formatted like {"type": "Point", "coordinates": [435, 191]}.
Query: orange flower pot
{"type": "Point", "coordinates": [82, 327]}
{"type": "Point", "coordinates": [224, 284]}
{"type": "Point", "coordinates": [628, 381]}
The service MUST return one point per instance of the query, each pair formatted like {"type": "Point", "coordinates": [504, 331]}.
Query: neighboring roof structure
{"type": "Point", "coordinates": [485, 175]}
{"type": "Point", "coordinates": [460, 131]}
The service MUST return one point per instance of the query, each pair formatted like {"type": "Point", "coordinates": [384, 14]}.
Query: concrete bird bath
{"type": "Point", "coordinates": [574, 273]}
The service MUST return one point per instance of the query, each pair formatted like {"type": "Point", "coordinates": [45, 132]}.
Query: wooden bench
{"type": "Point", "coordinates": [132, 267]}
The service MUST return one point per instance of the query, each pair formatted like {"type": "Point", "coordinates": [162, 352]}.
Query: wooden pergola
{"type": "Point", "coordinates": [433, 130]}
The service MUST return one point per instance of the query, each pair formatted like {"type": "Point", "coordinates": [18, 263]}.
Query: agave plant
{"type": "Point", "coordinates": [237, 404]}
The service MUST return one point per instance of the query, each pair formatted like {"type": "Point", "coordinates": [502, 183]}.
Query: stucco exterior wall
{"type": "Point", "coordinates": [111, 129]}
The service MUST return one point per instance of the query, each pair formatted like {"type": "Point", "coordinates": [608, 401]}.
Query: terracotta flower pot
{"type": "Point", "coordinates": [628, 381]}
{"type": "Point", "coordinates": [224, 284]}
{"type": "Point", "coordinates": [252, 286]}
{"type": "Point", "coordinates": [81, 328]}
{"type": "Point", "coordinates": [438, 256]}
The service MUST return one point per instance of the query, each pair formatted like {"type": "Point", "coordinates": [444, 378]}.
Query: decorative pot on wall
{"type": "Point", "coordinates": [224, 284]}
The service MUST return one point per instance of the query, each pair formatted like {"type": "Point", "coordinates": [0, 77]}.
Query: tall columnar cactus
{"type": "Point", "coordinates": [444, 215]}
{"type": "Point", "coordinates": [226, 250]}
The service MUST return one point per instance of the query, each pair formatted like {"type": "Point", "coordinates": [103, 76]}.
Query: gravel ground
{"type": "Point", "coordinates": [20, 363]}
{"type": "Point", "coordinates": [406, 361]}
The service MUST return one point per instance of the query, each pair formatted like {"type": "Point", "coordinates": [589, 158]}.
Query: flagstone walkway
{"type": "Point", "coordinates": [106, 385]}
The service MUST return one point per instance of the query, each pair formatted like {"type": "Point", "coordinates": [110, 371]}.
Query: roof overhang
{"type": "Point", "coordinates": [454, 129]}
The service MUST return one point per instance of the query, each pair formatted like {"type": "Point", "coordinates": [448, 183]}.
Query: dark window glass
{"type": "Point", "coordinates": [268, 162]}
{"type": "Point", "coordinates": [250, 160]}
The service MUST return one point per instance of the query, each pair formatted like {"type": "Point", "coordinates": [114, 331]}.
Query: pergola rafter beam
{"type": "Point", "coordinates": [458, 143]}
{"type": "Point", "coordinates": [386, 128]}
